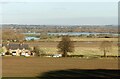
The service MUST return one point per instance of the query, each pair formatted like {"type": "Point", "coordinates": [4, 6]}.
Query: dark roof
{"type": "Point", "coordinates": [16, 46]}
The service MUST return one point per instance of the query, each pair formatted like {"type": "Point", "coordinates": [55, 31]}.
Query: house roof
{"type": "Point", "coordinates": [16, 46]}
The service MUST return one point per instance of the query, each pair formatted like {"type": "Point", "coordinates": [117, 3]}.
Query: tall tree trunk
{"type": "Point", "coordinates": [64, 54]}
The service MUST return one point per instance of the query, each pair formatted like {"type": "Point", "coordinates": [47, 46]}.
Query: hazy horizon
{"type": "Point", "coordinates": [60, 13]}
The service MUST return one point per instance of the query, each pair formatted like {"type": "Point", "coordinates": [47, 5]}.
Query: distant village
{"type": "Point", "coordinates": [21, 49]}
{"type": "Point", "coordinates": [62, 28]}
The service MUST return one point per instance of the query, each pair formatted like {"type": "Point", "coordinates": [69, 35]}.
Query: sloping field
{"type": "Point", "coordinates": [36, 66]}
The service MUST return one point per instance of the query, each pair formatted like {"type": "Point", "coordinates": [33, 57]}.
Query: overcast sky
{"type": "Point", "coordinates": [61, 13]}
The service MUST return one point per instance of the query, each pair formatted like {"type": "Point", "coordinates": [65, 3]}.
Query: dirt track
{"type": "Point", "coordinates": [34, 66]}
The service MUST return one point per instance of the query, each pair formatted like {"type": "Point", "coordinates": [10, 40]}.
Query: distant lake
{"type": "Point", "coordinates": [72, 33]}
{"type": "Point", "coordinates": [62, 33]}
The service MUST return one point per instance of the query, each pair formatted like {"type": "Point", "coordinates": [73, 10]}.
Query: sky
{"type": "Point", "coordinates": [59, 12]}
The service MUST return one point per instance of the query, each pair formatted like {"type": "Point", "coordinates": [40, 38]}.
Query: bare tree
{"type": "Point", "coordinates": [106, 46]}
{"type": "Point", "coordinates": [10, 34]}
{"type": "Point", "coordinates": [43, 35]}
{"type": "Point", "coordinates": [66, 45]}
{"type": "Point", "coordinates": [38, 51]}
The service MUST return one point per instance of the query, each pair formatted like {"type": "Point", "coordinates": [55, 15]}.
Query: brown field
{"type": "Point", "coordinates": [36, 66]}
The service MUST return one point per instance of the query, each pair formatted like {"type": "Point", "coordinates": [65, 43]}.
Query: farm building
{"type": "Point", "coordinates": [16, 49]}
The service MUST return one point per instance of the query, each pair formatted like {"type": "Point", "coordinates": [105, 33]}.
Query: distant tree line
{"type": "Point", "coordinates": [11, 35]}
{"type": "Point", "coordinates": [63, 28]}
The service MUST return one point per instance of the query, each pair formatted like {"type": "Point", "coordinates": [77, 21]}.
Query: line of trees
{"type": "Point", "coordinates": [11, 35]}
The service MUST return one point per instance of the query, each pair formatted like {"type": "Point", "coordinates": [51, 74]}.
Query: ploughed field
{"type": "Point", "coordinates": [37, 66]}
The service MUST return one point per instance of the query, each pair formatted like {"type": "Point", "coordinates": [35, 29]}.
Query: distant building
{"type": "Point", "coordinates": [31, 38]}
{"type": "Point", "coordinates": [16, 49]}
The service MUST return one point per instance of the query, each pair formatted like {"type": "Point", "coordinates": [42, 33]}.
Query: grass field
{"type": "Point", "coordinates": [81, 48]}
{"type": "Point", "coordinates": [36, 66]}
{"type": "Point", "coordinates": [87, 51]}
{"type": "Point", "coordinates": [82, 39]}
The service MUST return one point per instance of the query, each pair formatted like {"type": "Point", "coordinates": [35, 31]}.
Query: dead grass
{"type": "Point", "coordinates": [87, 51]}
{"type": "Point", "coordinates": [83, 39]}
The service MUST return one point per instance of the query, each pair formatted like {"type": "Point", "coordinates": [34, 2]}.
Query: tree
{"type": "Point", "coordinates": [106, 46]}
{"type": "Point", "coordinates": [38, 51]}
{"type": "Point", "coordinates": [10, 34]}
{"type": "Point", "coordinates": [66, 45]}
{"type": "Point", "coordinates": [43, 35]}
